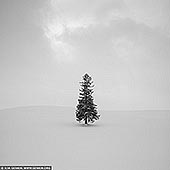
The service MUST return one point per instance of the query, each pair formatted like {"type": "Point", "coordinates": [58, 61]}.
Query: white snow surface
{"type": "Point", "coordinates": [120, 140]}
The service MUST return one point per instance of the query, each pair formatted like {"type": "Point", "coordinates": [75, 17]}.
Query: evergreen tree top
{"type": "Point", "coordinates": [87, 80]}
{"type": "Point", "coordinates": [86, 77]}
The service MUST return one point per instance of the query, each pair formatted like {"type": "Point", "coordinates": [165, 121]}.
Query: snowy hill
{"type": "Point", "coordinates": [120, 140]}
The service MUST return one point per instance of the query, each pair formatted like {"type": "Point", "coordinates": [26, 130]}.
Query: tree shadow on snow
{"type": "Point", "coordinates": [83, 125]}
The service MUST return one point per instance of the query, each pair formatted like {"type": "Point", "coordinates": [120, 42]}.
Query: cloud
{"type": "Point", "coordinates": [65, 18]}
{"type": "Point", "coordinates": [155, 14]}
{"type": "Point", "coordinates": [110, 31]}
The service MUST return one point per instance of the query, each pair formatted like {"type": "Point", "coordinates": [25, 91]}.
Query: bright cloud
{"type": "Point", "coordinates": [77, 23]}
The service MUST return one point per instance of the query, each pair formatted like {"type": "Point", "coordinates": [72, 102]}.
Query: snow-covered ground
{"type": "Point", "coordinates": [120, 140]}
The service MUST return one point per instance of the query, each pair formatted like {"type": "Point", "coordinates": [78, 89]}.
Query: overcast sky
{"type": "Point", "coordinates": [47, 45]}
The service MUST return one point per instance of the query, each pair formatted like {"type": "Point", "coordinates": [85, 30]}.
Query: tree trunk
{"type": "Point", "coordinates": [86, 123]}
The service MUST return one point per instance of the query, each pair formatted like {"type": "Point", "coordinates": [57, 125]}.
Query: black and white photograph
{"type": "Point", "coordinates": [85, 84]}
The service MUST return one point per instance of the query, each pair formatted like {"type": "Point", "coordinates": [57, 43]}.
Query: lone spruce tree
{"type": "Point", "coordinates": [86, 110]}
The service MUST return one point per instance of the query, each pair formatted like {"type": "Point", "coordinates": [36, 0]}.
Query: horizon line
{"type": "Point", "coordinates": [62, 106]}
